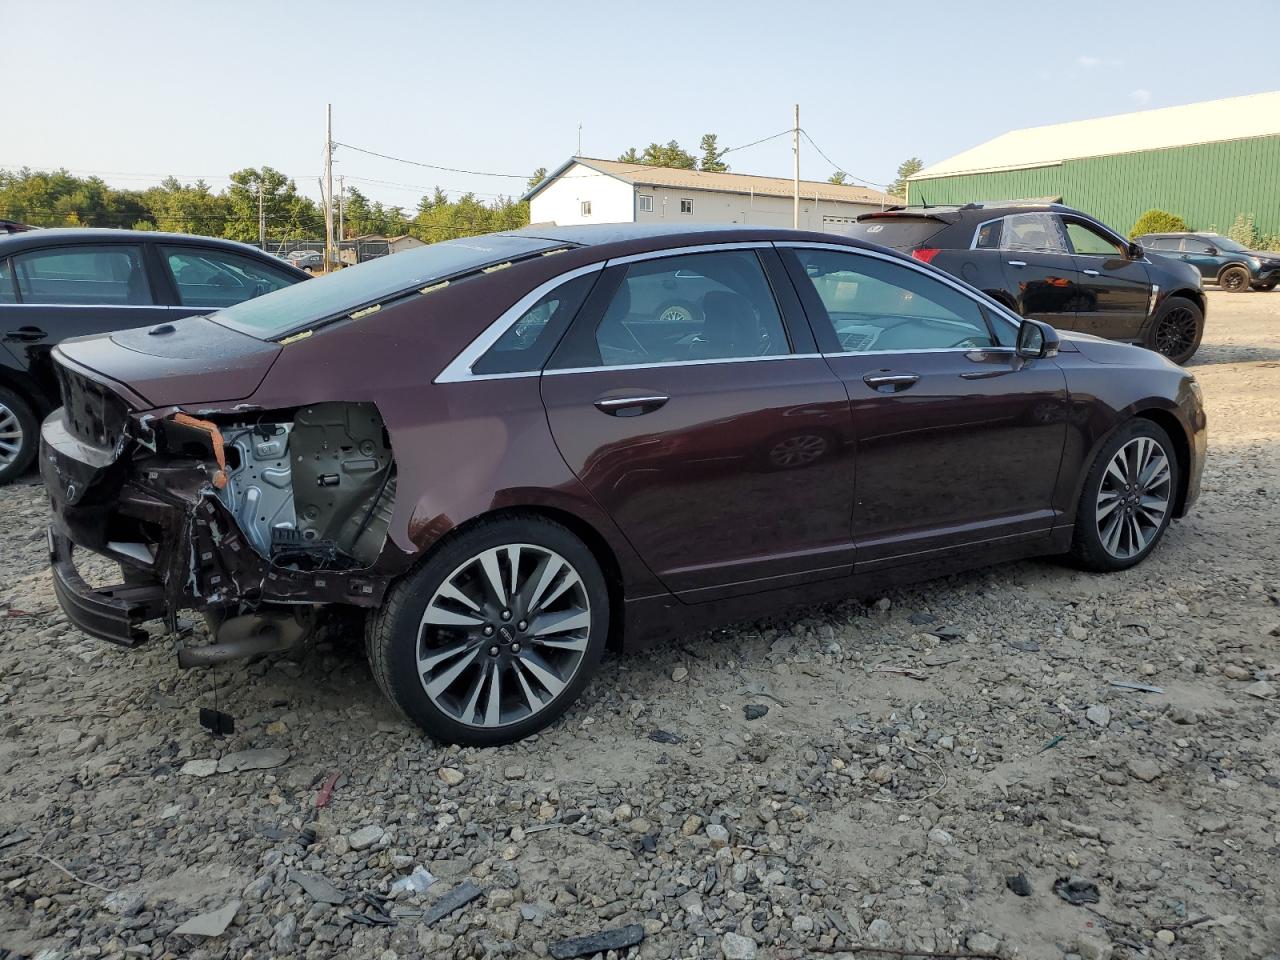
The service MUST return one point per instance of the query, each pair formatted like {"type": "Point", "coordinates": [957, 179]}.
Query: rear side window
{"type": "Point", "coordinates": [987, 236]}
{"type": "Point", "coordinates": [900, 233]}
{"type": "Point", "coordinates": [1161, 243]}
{"type": "Point", "coordinates": [525, 346]}
{"type": "Point", "coordinates": [6, 283]}
{"type": "Point", "coordinates": [876, 306]}
{"type": "Point", "coordinates": [83, 276]}
{"type": "Point", "coordinates": [1033, 233]}
{"type": "Point", "coordinates": [219, 278]}
{"type": "Point", "coordinates": [1190, 245]}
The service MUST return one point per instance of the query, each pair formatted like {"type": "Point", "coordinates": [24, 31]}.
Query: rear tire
{"type": "Point", "coordinates": [19, 435]}
{"type": "Point", "coordinates": [1177, 329]}
{"type": "Point", "coordinates": [495, 635]}
{"type": "Point", "coordinates": [1234, 279]}
{"type": "Point", "coordinates": [1127, 501]}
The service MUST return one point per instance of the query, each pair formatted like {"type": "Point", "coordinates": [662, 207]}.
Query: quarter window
{"type": "Point", "coordinates": [1033, 233]}
{"type": "Point", "coordinates": [646, 203]}
{"type": "Point", "coordinates": [1088, 242]}
{"type": "Point", "coordinates": [218, 278]}
{"type": "Point", "coordinates": [686, 205]}
{"type": "Point", "coordinates": [988, 236]}
{"type": "Point", "coordinates": [528, 342]}
{"type": "Point", "coordinates": [586, 208]}
{"type": "Point", "coordinates": [706, 306]}
{"type": "Point", "coordinates": [84, 275]}
{"type": "Point", "coordinates": [872, 305]}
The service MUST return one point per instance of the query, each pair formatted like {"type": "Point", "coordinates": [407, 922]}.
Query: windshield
{"type": "Point", "coordinates": [1226, 243]}
{"type": "Point", "coordinates": [900, 233]}
{"type": "Point", "coordinates": [304, 304]}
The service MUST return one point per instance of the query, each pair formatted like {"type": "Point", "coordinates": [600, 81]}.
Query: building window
{"type": "Point", "coordinates": [686, 205]}
{"type": "Point", "coordinates": [646, 203]}
{"type": "Point", "coordinates": [586, 208]}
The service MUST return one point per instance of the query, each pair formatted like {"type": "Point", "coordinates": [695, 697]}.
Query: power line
{"type": "Point", "coordinates": [840, 169]}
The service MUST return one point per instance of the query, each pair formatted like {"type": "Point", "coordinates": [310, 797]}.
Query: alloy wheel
{"type": "Point", "coordinates": [1133, 498]}
{"type": "Point", "coordinates": [503, 635]}
{"type": "Point", "coordinates": [11, 436]}
{"type": "Point", "coordinates": [1176, 332]}
{"type": "Point", "coordinates": [1234, 280]}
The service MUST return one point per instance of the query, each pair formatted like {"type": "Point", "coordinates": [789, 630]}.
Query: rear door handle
{"type": "Point", "coordinates": [1017, 263]}
{"type": "Point", "coordinates": [26, 335]}
{"type": "Point", "coordinates": [631, 406]}
{"type": "Point", "coordinates": [1090, 273]}
{"type": "Point", "coordinates": [886, 382]}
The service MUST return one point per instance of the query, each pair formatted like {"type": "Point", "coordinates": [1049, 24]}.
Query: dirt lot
{"type": "Point", "coordinates": [868, 807]}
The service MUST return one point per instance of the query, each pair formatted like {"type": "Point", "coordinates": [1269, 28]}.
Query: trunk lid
{"type": "Point", "coordinates": [193, 360]}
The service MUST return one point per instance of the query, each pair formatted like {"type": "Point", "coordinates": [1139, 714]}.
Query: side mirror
{"type": "Point", "coordinates": [1212, 251]}
{"type": "Point", "coordinates": [1136, 251]}
{"type": "Point", "coordinates": [1037, 340]}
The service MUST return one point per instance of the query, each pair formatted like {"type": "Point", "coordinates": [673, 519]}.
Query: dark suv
{"type": "Point", "coordinates": [1055, 264]}
{"type": "Point", "coordinates": [56, 284]}
{"type": "Point", "coordinates": [1232, 266]}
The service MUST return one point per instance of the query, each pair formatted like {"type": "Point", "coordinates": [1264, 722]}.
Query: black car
{"type": "Point", "coordinates": [1052, 263]}
{"type": "Point", "coordinates": [56, 284]}
{"type": "Point", "coordinates": [1232, 266]}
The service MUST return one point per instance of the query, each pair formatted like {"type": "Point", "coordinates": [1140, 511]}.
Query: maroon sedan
{"type": "Point", "coordinates": [507, 454]}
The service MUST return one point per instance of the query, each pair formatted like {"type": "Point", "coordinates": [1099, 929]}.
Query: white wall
{"type": "Point", "coordinates": [711, 207]}
{"type": "Point", "coordinates": [561, 202]}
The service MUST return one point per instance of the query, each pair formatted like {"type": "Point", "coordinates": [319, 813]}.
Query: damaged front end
{"type": "Point", "coordinates": [256, 518]}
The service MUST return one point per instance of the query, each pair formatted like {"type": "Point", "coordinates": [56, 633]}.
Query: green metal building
{"type": "Point", "coordinates": [1206, 162]}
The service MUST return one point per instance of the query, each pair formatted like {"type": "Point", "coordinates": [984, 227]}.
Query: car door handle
{"type": "Point", "coordinates": [1090, 273]}
{"type": "Point", "coordinates": [631, 406]}
{"type": "Point", "coordinates": [1017, 263]}
{"type": "Point", "coordinates": [886, 382]}
{"type": "Point", "coordinates": [26, 335]}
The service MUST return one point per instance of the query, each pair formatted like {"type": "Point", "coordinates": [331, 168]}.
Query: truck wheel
{"type": "Point", "coordinates": [19, 435]}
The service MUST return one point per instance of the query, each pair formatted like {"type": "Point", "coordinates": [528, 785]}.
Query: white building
{"type": "Point", "coordinates": [586, 190]}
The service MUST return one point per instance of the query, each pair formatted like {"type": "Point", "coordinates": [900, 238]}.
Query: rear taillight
{"type": "Point", "coordinates": [925, 254]}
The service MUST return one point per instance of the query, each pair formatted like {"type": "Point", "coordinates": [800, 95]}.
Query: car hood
{"type": "Point", "coordinates": [186, 361]}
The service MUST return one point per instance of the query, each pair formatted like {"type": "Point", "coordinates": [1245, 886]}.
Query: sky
{"type": "Point", "coordinates": [139, 90]}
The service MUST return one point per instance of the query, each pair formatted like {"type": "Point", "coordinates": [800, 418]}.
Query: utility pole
{"type": "Point", "coordinates": [342, 202]}
{"type": "Point", "coordinates": [262, 219]}
{"type": "Point", "coordinates": [328, 187]}
{"type": "Point", "coordinates": [579, 153]}
{"type": "Point", "coordinates": [795, 148]}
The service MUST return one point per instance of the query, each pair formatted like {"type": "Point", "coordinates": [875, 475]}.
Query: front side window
{"type": "Point", "coordinates": [705, 306]}
{"type": "Point", "coordinates": [686, 205]}
{"type": "Point", "coordinates": [646, 203]}
{"type": "Point", "coordinates": [1088, 242]}
{"type": "Point", "coordinates": [528, 342]}
{"type": "Point", "coordinates": [106, 275]}
{"type": "Point", "coordinates": [1033, 233]}
{"type": "Point", "coordinates": [876, 306]}
{"type": "Point", "coordinates": [218, 278]}
{"type": "Point", "coordinates": [586, 208]}
{"type": "Point", "coordinates": [1190, 245]}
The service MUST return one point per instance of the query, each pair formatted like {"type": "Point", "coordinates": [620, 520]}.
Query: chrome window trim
{"type": "Point", "coordinates": [683, 251]}
{"type": "Point", "coordinates": [972, 293]}
{"type": "Point", "coordinates": [459, 369]}
{"type": "Point", "coordinates": [682, 363]}
{"type": "Point", "coordinates": [880, 353]}
{"type": "Point", "coordinates": [108, 306]}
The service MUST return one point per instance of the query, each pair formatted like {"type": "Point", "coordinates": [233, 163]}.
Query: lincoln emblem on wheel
{"type": "Point", "coordinates": [507, 455]}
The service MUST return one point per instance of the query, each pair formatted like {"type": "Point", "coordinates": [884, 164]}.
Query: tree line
{"type": "Point", "coordinates": [57, 198]}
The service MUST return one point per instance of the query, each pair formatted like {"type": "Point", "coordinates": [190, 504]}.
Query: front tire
{"type": "Point", "coordinates": [1127, 501]}
{"type": "Point", "coordinates": [1234, 279]}
{"type": "Point", "coordinates": [19, 435]}
{"type": "Point", "coordinates": [496, 635]}
{"type": "Point", "coordinates": [1177, 329]}
{"type": "Point", "coordinates": [1264, 287]}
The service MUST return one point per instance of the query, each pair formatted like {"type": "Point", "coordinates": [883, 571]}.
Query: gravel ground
{"type": "Point", "coordinates": [918, 751]}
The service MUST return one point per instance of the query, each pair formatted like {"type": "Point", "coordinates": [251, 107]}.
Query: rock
{"type": "Point", "coordinates": [211, 924]}
{"type": "Point", "coordinates": [264, 759]}
{"type": "Point", "coordinates": [1183, 716]}
{"type": "Point", "coordinates": [939, 837]}
{"type": "Point", "coordinates": [691, 825]}
{"type": "Point", "coordinates": [1263, 690]}
{"type": "Point", "coordinates": [880, 932]}
{"type": "Point", "coordinates": [1019, 884]}
{"type": "Point", "coordinates": [1094, 947]}
{"type": "Point", "coordinates": [1077, 891]}
{"type": "Point", "coordinates": [679, 674]}
{"type": "Point", "coordinates": [505, 923]}
{"type": "Point", "coordinates": [754, 711]}
{"type": "Point", "coordinates": [513, 772]}
{"type": "Point", "coordinates": [450, 776]}
{"type": "Point", "coordinates": [735, 946]}
{"type": "Point", "coordinates": [718, 834]}
{"type": "Point", "coordinates": [883, 604]}
{"type": "Point", "coordinates": [1233, 672]}
{"type": "Point", "coordinates": [1144, 769]}
{"type": "Point", "coordinates": [258, 888]}
{"type": "Point", "coordinates": [317, 887]}
{"type": "Point", "coordinates": [802, 924]}
{"type": "Point", "coordinates": [1098, 715]}
{"type": "Point", "coordinates": [199, 768]}
{"type": "Point", "coordinates": [982, 943]}
{"type": "Point", "coordinates": [276, 728]}
{"type": "Point", "coordinates": [1077, 632]}
{"type": "Point", "coordinates": [364, 838]}
{"type": "Point", "coordinates": [1166, 937]}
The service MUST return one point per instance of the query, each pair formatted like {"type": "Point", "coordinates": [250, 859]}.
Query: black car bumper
{"type": "Point", "coordinates": [113, 613]}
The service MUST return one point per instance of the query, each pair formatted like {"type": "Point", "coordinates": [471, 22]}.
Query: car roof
{"type": "Point", "coordinates": [53, 236]}
{"type": "Point", "coordinates": [664, 234]}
